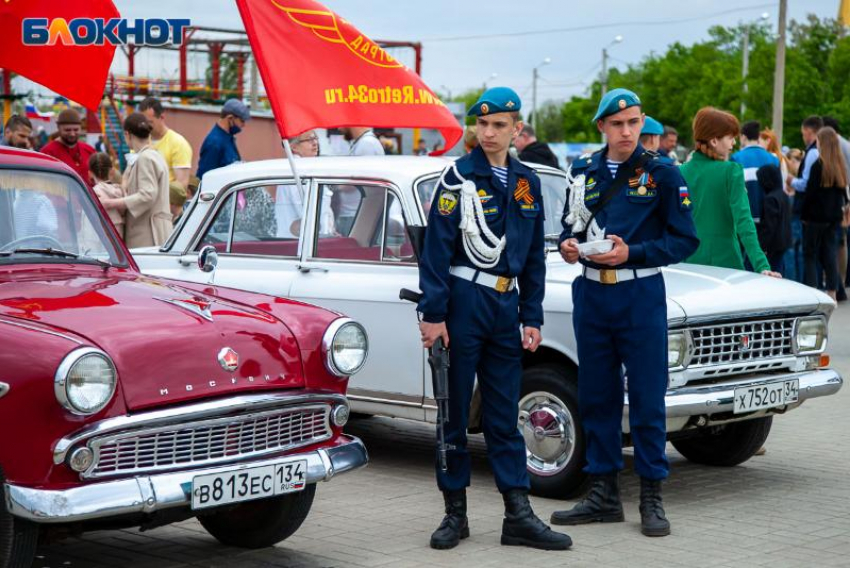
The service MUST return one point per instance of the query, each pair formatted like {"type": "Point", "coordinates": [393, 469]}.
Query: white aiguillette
{"type": "Point", "coordinates": [595, 247]}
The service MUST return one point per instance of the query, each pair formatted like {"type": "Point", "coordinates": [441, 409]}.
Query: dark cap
{"type": "Point", "coordinates": [237, 108]}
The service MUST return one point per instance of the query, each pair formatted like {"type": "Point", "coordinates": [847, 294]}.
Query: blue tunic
{"type": "Point", "coordinates": [657, 226]}
{"type": "Point", "coordinates": [522, 222]}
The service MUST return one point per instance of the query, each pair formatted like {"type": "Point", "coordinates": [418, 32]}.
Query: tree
{"type": "Point", "coordinates": [469, 98]}
{"type": "Point", "coordinates": [550, 124]}
{"type": "Point", "coordinates": [676, 84]}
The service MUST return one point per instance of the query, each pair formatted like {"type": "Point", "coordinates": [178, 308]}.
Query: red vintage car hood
{"type": "Point", "coordinates": [166, 340]}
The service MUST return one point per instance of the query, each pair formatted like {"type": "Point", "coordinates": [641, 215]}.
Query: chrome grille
{"type": "Point", "coordinates": [209, 442]}
{"type": "Point", "coordinates": [741, 342]}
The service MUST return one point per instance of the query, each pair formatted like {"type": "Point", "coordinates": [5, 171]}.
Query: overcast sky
{"type": "Point", "coordinates": [647, 26]}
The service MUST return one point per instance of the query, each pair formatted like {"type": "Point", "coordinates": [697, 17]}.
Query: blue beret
{"type": "Point", "coordinates": [652, 126]}
{"type": "Point", "coordinates": [615, 101]}
{"type": "Point", "coordinates": [497, 99]}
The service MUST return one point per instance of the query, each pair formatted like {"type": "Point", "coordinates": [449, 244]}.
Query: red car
{"type": "Point", "coordinates": [127, 400]}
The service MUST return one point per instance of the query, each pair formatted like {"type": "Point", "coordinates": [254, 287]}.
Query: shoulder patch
{"type": "Point", "coordinates": [447, 202]}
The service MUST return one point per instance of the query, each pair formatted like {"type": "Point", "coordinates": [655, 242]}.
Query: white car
{"type": "Point", "coordinates": [742, 347]}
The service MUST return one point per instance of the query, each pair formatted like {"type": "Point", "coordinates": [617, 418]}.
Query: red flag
{"type": "Point", "coordinates": [320, 71]}
{"type": "Point", "coordinates": [78, 72]}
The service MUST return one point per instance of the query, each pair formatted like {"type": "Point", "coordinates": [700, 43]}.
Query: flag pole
{"type": "Point", "coordinates": [288, 149]}
{"type": "Point", "coordinates": [291, 157]}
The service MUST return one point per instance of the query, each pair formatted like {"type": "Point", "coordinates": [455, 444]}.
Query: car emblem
{"type": "Point", "coordinates": [228, 359]}
{"type": "Point", "coordinates": [743, 343]}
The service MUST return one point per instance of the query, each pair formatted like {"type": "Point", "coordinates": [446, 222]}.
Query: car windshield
{"type": "Point", "coordinates": [48, 217]}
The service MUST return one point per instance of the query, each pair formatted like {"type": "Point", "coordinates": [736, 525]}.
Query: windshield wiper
{"type": "Point", "coordinates": [56, 252]}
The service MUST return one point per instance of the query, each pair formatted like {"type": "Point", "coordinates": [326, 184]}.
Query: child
{"type": "Point", "coordinates": [774, 231]}
{"type": "Point", "coordinates": [100, 170]}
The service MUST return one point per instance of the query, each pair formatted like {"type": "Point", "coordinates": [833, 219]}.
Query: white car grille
{"type": "Point", "coordinates": [742, 342]}
{"type": "Point", "coordinates": [208, 442]}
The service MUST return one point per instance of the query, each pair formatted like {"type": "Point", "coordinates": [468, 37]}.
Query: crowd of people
{"type": "Point", "coordinates": [784, 214]}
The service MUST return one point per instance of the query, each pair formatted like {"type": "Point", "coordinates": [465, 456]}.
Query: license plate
{"type": "Point", "coordinates": [780, 393]}
{"type": "Point", "coordinates": [248, 484]}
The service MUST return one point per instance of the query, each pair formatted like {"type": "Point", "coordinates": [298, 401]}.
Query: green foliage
{"type": "Point", "coordinates": [228, 76]}
{"type": "Point", "coordinates": [550, 126]}
{"type": "Point", "coordinates": [469, 98]}
{"type": "Point", "coordinates": [675, 85]}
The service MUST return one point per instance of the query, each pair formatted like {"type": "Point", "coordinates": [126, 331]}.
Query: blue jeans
{"type": "Point", "coordinates": [793, 260]}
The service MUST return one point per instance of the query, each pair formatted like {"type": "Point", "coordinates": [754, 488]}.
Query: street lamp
{"type": "Point", "coordinates": [447, 91]}
{"type": "Point", "coordinates": [490, 78]}
{"type": "Point", "coordinates": [617, 39]}
{"type": "Point", "coordinates": [745, 64]}
{"type": "Point", "coordinates": [546, 61]}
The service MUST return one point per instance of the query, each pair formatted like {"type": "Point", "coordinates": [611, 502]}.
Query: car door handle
{"type": "Point", "coordinates": [305, 269]}
{"type": "Point", "coordinates": [187, 259]}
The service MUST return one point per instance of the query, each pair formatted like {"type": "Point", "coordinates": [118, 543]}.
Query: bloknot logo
{"type": "Point", "coordinates": [101, 31]}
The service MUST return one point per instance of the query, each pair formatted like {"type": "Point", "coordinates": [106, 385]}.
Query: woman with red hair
{"type": "Point", "coordinates": [721, 209]}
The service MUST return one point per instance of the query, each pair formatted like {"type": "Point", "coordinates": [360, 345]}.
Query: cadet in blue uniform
{"type": "Point", "coordinates": [485, 239]}
{"type": "Point", "coordinates": [650, 134]}
{"type": "Point", "coordinates": [629, 196]}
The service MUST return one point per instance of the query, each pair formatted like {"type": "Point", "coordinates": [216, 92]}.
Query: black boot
{"type": "Point", "coordinates": [522, 527]}
{"type": "Point", "coordinates": [455, 525]}
{"type": "Point", "coordinates": [602, 504]}
{"type": "Point", "coordinates": [653, 521]}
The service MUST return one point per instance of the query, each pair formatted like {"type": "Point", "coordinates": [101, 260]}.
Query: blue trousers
{"type": "Point", "coordinates": [484, 338]}
{"type": "Point", "coordinates": [616, 326]}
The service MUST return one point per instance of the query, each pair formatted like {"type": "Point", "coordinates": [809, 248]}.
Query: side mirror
{"type": "Point", "coordinates": [207, 259]}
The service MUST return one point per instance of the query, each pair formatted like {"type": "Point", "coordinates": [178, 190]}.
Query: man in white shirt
{"type": "Point", "coordinates": [363, 141]}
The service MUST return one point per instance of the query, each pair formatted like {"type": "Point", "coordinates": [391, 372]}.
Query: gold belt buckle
{"type": "Point", "coordinates": [503, 284]}
{"type": "Point", "coordinates": [608, 276]}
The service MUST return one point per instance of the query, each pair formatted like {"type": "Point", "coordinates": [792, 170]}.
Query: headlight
{"type": "Point", "coordinates": [345, 347]}
{"type": "Point", "coordinates": [677, 350]}
{"type": "Point", "coordinates": [810, 335]}
{"type": "Point", "coordinates": [85, 381]}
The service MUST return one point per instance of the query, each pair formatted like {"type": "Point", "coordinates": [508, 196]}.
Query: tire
{"type": "Point", "coordinates": [18, 538]}
{"type": "Point", "coordinates": [260, 524]}
{"type": "Point", "coordinates": [726, 446]}
{"type": "Point", "coordinates": [549, 422]}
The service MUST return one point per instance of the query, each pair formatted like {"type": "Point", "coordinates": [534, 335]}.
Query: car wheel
{"type": "Point", "coordinates": [554, 439]}
{"type": "Point", "coordinates": [727, 445]}
{"type": "Point", "coordinates": [18, 538]}
{"type": "Point", "coordinates": [260, 524]}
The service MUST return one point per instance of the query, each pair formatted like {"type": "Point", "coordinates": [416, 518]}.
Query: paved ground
{"type": "Point", "coordinates": [786, 508]}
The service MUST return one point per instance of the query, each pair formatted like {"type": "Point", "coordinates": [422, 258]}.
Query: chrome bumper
{"type": "Point", "coordinates": [717, 398]}
{"type": "Point", "coordinates": [146, 494]}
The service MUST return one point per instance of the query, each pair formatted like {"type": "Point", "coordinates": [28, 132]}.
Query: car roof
{"type": "Point", "coordinates": [10, 156]}
{"type": "Point", "coordinates": [396, 168]}
{"type": "Point", "coordinates": [403, 169]}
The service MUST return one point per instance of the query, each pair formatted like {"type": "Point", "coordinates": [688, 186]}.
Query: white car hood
{"type": "Point", "coordinates": [706, 291]}
{"type": "Point", "coordinates": [703, 292]}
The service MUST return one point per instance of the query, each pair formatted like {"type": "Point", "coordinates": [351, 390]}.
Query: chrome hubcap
{"type": "Point", "coordinates": [549, 430]}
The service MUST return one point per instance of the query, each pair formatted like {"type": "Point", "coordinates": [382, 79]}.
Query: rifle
{"type": "Point", "coordinates": [438, 360]}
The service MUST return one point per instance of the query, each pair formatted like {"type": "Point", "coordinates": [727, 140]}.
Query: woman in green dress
{"type": "Point", "coordinates": [721, 209]}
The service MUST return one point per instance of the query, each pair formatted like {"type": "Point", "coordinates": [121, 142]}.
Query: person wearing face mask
{"type": "Point", "coordinates": [721, 207]}
{"type": "Point", "coordinates": [146, 204]}
{"type": "Point", "coordinates": [67, 147]}
{"type": "Point", "coordinates": [219, 147]}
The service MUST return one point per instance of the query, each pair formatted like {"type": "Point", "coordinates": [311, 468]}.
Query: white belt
{"type": "Point", "coordinates": [498, 283]}
{"type": "Point", "coordinates": [615, 275]}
